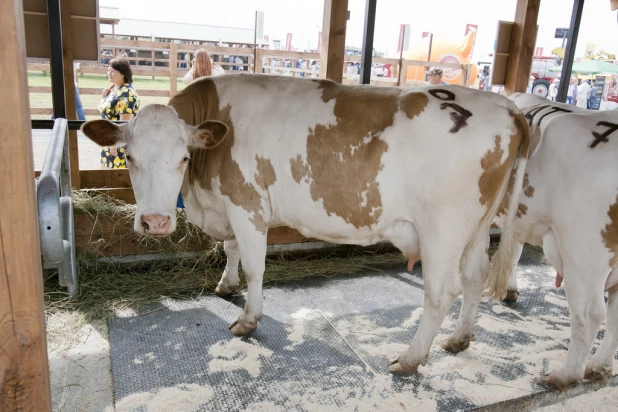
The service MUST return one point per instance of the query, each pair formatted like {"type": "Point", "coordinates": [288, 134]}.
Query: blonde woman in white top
{"type": "Point", "coordinates": [202, 66]}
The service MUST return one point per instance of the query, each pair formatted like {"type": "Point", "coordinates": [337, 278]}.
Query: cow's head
{"type": "Point", "coordinates": [157, 150]}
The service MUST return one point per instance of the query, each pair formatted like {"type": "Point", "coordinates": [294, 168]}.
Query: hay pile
{"type": "Point", "coordinates": [107, 286]}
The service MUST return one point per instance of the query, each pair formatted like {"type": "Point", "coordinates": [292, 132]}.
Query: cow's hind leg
{"type": "Point", "coordinates": [512, 292]}
{"type": "Point", "coordinates": [441, 257]}
{"type": "Point", "coordinates": [474, 269]}
{"type": "Point", "coordinates": [230, 280]}
{"type": "Point", "coordinates": [600, 365]}
{"type": "Point", "coordinates": [587, 306]}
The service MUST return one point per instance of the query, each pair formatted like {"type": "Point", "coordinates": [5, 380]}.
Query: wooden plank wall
{"type": "Point", "coordinates": [24, 373]}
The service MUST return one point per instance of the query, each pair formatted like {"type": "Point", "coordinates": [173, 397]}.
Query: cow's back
{"type": "Point", "coordinates": [348, 160]}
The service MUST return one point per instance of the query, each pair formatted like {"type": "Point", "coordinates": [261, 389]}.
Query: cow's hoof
{"type": "Point", "coordinates": [511, 296]}
{"type": "Point", "coordinates": [242, 328]}
{"type": "Point", "coordinates": [224, 291]}
{"type": "Point", "coordinates": [398, 368]}
{"type": "Point", "coordinates": [553, 383]}
{"type": "Point", "coordinates": [457, 345]}
{"type": "Point", "coordinates": [598, 373]}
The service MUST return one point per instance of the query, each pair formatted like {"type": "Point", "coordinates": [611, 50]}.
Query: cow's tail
{"type": "Point", "coordinates": [502, 262]}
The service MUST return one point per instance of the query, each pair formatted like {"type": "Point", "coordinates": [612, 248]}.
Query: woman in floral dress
{"type": "Point", "coordinates": [120, 102]}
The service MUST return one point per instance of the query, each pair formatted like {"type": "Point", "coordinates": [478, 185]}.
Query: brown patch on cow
{"type": "Point", "coordinates": [199, 103]}
{"type": "Point", "coordinates": [299, 169]}
{"type": "Point", "coordinates": [265, 175]}
{"type": "Point", "coordinates": [610, 233]}
{"type": "Point", "coordinates": [494, 172]}
{"type": "Point", "coordinates": [343, 160]}
{"type": "Point", "coordinates": [520, 121]}
{"type": "Point", "coordinates": [521, 210]}
{"type": "Point", "coordinates": [413, 104]}
{"type": "Point", "coordinates": [528, 190]}
{"type": "Point", "coordinates": [504, 205]}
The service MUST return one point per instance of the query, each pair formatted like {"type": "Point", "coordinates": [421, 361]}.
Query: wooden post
{"type": "Point", "coordinates": [173, 69]}
{"type": "Point", "coordinates": [258, 60]}
{"type": "Point", "coordinates": [24, 373]}
{"type": "Point", "coordinates": [403, 73]}
{"type": "Point", "coordinates": [69, 87]}
{"type": "Point", "coordinates": [333, 39]}
{"type": "Point", "coordinates": [523, 39]}
{"type": "Point", "coordinates": [466, 72]}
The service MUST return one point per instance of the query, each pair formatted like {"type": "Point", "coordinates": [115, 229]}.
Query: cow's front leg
{"type": "Point", "coordinates": [230, 280]}
{"type": "Point", "coordinates": [252, 247]}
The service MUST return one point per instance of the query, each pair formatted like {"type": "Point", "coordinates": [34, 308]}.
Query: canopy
{"type": "Point", "coordinates": [590, 67]}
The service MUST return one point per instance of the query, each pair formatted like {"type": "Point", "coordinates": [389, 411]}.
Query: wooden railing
{"type": "Point", "coordinates": [259, 61]}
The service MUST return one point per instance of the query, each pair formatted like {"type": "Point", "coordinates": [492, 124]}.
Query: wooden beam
{"type": "Point", "coordinates": [69, 87]}
{"type": "Point", "coordinates": [173, 69]}
{"type": "Point", "coordinates": [521, 53]}
{"type": "Point", "coordinates": [24, 373]}
{"type": "Point", "coordinates": [106, 178]}
{"type": "Point", "coordinates": [333, 39]}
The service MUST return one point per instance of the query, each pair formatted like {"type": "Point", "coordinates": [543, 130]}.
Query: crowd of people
{"type": "Point", "coordinates": [579, 92]}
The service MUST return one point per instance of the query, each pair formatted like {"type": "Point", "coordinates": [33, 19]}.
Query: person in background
{"type": "Point", "coordinates": [570, 91]}
{"type": "Point", "coordinates": [434, 77]}
{"type": "Point", "coordinates": [239, 63]}
{"type": "Point", "coordinates": [107, 54]}
{"type": "Point", "coordinates": [120, 102]}
{"type": "Point", "coordinates": [552, 92]}
{"type": "Point", "coordinates": [79, 108]}
{"type": "Point", "coordinates": [202, 66]}
{"type": "Point", "coordinates": [583, 93]}
{"type": "Point", "coordinates": [484, 79]}
{"type": "Point", "coordinates": [593, 92]}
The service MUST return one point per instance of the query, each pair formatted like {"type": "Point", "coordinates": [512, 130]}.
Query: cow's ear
{"type": "Point", "coordinates": [104, 133]}
{"type": "Point", "coordinates": [208, 134]}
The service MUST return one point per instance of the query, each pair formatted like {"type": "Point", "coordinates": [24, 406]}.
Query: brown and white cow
{"type": "Point", "coordinates": [425, 169]}
{"type": "Point", "coordinates": [569, 206]}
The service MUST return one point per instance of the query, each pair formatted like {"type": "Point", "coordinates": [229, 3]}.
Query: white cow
{"type": "Point", "coordinates": [537, 110]}
{"type": "Point", "coordinates": [569, 206]}
{"type": "Point", "coordinates": [425, 169]}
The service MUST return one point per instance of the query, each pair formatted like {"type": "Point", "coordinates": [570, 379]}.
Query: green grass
{"type": "Point", "coordinates": [99, 81]}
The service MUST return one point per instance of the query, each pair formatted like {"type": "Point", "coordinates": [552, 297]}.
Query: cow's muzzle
{"type": "Point", "coordinates": [156, 224]}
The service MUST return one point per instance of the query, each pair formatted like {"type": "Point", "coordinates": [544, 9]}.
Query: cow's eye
{"type": "Point", "coordinates": [129, 158]}
{"type": "Point", "coordinates": [185, 159]}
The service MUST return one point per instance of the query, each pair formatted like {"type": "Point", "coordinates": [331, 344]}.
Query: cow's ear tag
{"type": "Point", "coordinates": [211, 133]}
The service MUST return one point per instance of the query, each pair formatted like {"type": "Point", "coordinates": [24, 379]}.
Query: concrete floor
{"type": "Point", "coordinates": [323, 344]}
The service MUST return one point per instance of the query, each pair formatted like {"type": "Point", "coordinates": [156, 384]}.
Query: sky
{"type": "Point", "coordinates": [448, 18]}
